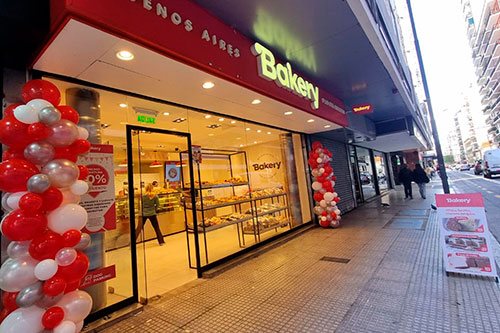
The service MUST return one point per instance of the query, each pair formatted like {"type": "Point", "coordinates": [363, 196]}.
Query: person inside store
{"type": "Point", "coordinates": [421, 178]}
{"type": "Point", "coordinates": [150, 206]}
{"type": "Point", "coordinates": [405, 177]}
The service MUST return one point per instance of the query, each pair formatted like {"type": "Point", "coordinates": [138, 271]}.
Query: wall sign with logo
{"type": "Point", "coordinates": [364, 108]}
{"type": "Point", "coordinates": [464, 234]}
{"type": "Point", "coordinates": [185, 31]}
{"type": "Point", "coordinates": [99, 202]}
{"type": "Point", "coordinates": [266, 166]}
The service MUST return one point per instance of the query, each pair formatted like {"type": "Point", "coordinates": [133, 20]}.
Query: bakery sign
{"type": "Point", "coordinates": [266, 165]}
{"type": "Point", "coordinates": [464, 234]}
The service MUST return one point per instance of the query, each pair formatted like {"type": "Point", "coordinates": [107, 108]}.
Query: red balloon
{"type": "Point", "coordinates": [46, 245]}
{"type": "Point", "coordinates": [51, 199]}
{"type": "Point", "coordinates": [9, 111]}
{"type": "Point", "coordinates": [14, 174]}
{"type": "Point", "coordinates": [71, 237]}
{"type": "Point", "coordinates": [318, 196]}
{"type": "Point", "coordinates": [336, 199]}
{"type": "Point", "coordinates": [9, 300]}
{"type": "Point", "coordinates": [324, 213]}
{"type": "Point", "coordinates": [333, 215]}
{"type": "Point", "coordinates": [321, 179]}
{"type": "Point", "coordinates": [316, 144]}
{"type": "Point", "coordinates": [52, 317]}
{"type": "Point", "coordinates": [41, 89]}
{"type": "Point", "coordinates": [84, 172]}
{"type": "Point", "coordinates": [38, 131]}
{"type": "Point", "coordinates": [72, 285]}
{"type": "Point", "coordinates": [22, 226]}
{"type": "Point", "coordinates": [81, 146]}
{"type": "Point", "coordinates": [54, 286]}
{"type": "Point", "coordinates": [67, 153]}
{"type": "Point", "coordinates": [76, 270]}
{"type": "Point", "coordinates": [67, 112]}
{"type": "Point", "coordinates": [334, 178]}
{"type": "Point", "coordinates": [13, 132]}
{"type": "Point", "coordinates": [327, 184]}
{"type": "Point", "coordinates": [4, 313]}
{"type": "Point", "coordinates": [324, 224]}
{"type": "Point", "coordinates": [31, 202]}
{"type": "Point", "coordinates": [328, 170]}
{"type": "Point", "coordinates": [314, 155]}
{"type": "Point", "coordinates": [13, 153]}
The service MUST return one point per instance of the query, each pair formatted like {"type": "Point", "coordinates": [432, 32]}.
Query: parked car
{"type": "Point", "coordinates": [465, 167]}
{"type": "Point", "coordinates": [478, 167]}
{"type": "Point", "coordinates": [491, 163]}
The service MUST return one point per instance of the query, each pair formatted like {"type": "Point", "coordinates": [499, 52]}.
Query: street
{"type": "Point", "coordinates": [467, 182]}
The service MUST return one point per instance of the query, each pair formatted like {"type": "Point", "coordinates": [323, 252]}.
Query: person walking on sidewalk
{"type": "Point", "coordinates": [420, 177]}
{"type": "Point", "coordinates": [150, 205]}
{"type": "Point", "coordinates": [405, 177]}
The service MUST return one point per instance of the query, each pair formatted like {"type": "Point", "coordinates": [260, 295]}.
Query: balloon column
{"type": "Point", "coordinates": [41, 185]}
{"type": "Point", "coordinates": [324, 181]}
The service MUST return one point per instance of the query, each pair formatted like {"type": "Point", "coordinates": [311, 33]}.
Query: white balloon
{"type": "Point", "coordinates": [79, 187]}
{"type": "Point", "coordinates": [328, 196]}
{"type": "Point", "coordinates": [13, 200]}
{"type": "Point", "coordinates": [38, 104]}
{"type": "Point", "coordinates": [335, 194]}
{"type": "Point", "coordinates": [23, 320]}
{"type": "Point", "coordinates": [5, 207]}
{"type": "Point", "coordinates": [323, 218]}
{"type": "Point", "coordinates": [322, 191]}
{"type": "Point", "coordinates": [321, 171]}
{"type": "Point", "coordinates": [316, 186]}
{"type": "Point", "coordinates": [322, 203]}
{"type": "Point", "coordinates": [66, 326]}
{"type": "Point", "coordinates": [65, 256]}
{"type": "Point", "coordinates": [333, 182]}
{"type": "Point", "coordinates": [76, 304]}
{"type": "Point", "coordinates": [18, 273]}
{"type": "Point", "coordinates": [315, 172]}
{"type": "Point", "coordinates": [69, 197]}
{"type": "Point", "coordinates": [18, 249]}
{"type": "Point", "coordinates": [83, 133]}
{"type": "Point", "coordinates": [66, 217]}
{"type": "Point", "coordinates": [46, 269]}
{"type": "Point", "coordinates": [337, 211]}
{"type": "Point", "coordinates": [26, 114]}
{"type": "Point", "coordinates": [319, 160]}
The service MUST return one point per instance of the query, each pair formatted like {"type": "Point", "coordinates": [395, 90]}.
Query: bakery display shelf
{"type": "Point", "coordinates": [262, 230]}
{"type": "Point", "coordinates": [222, 185]}
{"type": "Point", "coordinates": [269, 196]}
{"type": "Point", "coordinates": [222, 225]}
{"type": "Point", "coordinates": [226, 204]}
{"type": "Point", "coordinates": [268, 212]}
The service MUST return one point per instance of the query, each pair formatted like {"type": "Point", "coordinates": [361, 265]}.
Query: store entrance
{"type": "Point", "coordinates": [165, 251]}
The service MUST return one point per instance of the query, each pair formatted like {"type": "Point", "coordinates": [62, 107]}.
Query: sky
{"type": "Point", "coordinates": [441, 30]}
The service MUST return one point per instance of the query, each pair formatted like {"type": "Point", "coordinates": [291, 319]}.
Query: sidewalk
{"type": "Point", "coordinates": [394, 282]}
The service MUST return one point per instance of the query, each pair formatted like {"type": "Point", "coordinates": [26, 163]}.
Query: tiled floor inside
{"type": "Point", "coordinates": [394, 282]}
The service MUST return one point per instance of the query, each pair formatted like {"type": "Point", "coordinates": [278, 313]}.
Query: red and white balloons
{"type": "Point", "coordinates": [40, 279]}
{"type": "Point", "coordinates": [324, 181]}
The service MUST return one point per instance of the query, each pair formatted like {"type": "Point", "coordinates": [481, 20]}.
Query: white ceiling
{"type": "Point", "coordinates": [86, 53]}
{"type": "Point", "coordinates": [393, 142]}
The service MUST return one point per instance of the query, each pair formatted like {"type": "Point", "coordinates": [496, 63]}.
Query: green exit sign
{"type": "Point", "coordinates": [146, 119]}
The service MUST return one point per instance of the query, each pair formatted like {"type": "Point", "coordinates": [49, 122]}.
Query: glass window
{"type": "Point", "coordinates": [366, 173]}
{"type": "Point", "coordinates": [381, 169]}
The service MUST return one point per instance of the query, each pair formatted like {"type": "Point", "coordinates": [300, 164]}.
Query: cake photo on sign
{"type": "Point", "coordinates": [468, 261]}
{"type": "Point", "coordinates": [466, 242]}
{"type": "Point", "coordinates": [463, 224]}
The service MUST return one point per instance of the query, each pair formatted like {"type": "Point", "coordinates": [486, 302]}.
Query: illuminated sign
{"type": "Point", "coordinates": [362, 108]}
{"type": "Point", "coordinates": [146, 119]}
{"type": "Point", "coordinates": [283, 75]}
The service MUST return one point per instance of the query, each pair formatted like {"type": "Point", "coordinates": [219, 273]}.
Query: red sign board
{"type": "Point", "coordinates": [184, 31]}
{"type": "Point", "coordinates": [362, 108]}
{"type": "Point", "coordinates": [98, 276]}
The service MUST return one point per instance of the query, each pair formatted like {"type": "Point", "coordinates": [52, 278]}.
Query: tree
{"type": "Point", "coordinates": [448, 159]}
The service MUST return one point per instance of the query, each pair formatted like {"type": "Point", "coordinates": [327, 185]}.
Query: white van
{"type": "Point", "coordinates": [491, 163]}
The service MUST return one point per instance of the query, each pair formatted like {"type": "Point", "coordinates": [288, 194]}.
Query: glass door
{"type": "Point", "coordinates": [165, 249]}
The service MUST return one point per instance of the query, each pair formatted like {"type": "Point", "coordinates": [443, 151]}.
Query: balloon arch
{"type": "Point", "coordinates": [324, 181]}
{"type": "Point", "coordinates": [42, 185]}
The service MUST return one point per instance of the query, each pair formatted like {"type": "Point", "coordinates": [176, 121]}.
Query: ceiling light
{"type": "Point", "coordinates": [208, 85]}
{"type": "Point", "coordinates": [103, 126]}
{"type": "Point", "coordinates": [211, 134]}
{"type": "Point", "coordinates": [155, 164]}
{"type": "Point", "coordinates": [123, 105]}
{"type": "Point", "coordinates": [256, 101]}
{"type": "Point", "coordinates": [166, 113]}
{"type": "Point", "coordinates": [268, 132]}
{"type": "Point", "coordinates": [123, 164]}
{"type": "Point", "coordinates": [207, 116]}
{"type": "Point", "coordinates": [179, 120]}
{"type": "Point", "coordinates": [238, 138]}
{"type": "Point", "coordinates": [255, 142]}
{"type": "Point", "coordinates": [310, 121]}
{"type": "Point", "coordinates": [160, 146]}
{"type": "Point", "coordinates": [288, 113]}
{"type": "Point", "coordinates": [124, 55]}
{"type": "Point", "coordinates": [221, 119]}
{"type": "Point", "coordinates": [241, 145]}
{"type": "Point", "coordinates": [248, 128]}
{"type": "Point", "coordinates": [328, 126]}
{"type": "Point", "coordinates": [213, 126]}
{"type": "Point", "coordinates": [233, 121]}
{"type": "Point", "coordinates": [174, 129]}
{"type": "Point", "coordinates": [258, 131]}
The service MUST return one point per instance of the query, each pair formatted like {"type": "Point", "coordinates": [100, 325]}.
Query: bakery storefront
{"type": "Point", "coordinates": [185, 111]}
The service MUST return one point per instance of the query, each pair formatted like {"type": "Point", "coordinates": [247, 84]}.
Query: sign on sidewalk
{"type": "Point", "coordinates": [465, 235]}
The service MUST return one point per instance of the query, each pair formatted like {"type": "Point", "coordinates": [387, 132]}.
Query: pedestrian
{"type": "Point", "coordinates": [405, 177]}
{"type": "Point", "coordinates": [421, 178]}
{"type": "Point", "coordinates": [150, 205]}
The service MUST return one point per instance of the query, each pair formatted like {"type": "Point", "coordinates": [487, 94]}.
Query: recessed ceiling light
{"type": "Point", "coordinates": [160, 146]}
{"type": "Point", "coordinates": [233, 121]}
{"type": "Point", "coordinates": [310, 121]}
{"type": "Point", "coordinates": [238, 138]}
{"type": "Point", "coordinates": [241, 145]}
{"type": "Point", "coordinates": [125, 55]}
{"type": "Point", "coordinates": [174, 129]}
{"type": "Point", "coordinates": [221, 119]}
{"type": "Point", "coordinates": [255, 142]}
{"type": "Point", "coordinates": [123, 105]}
{"type": "Point", "coordinates": [166, 113]}
{"type": "Point", "coordinates": [248, 128]}
{"type": "Point", "coordinates": [211, 134]}
{"type": "Point", "coordinates": [268, 132]}
{"type": "Point", "coordinates": [258, 131]}
{"type": "Point", "coordinates": [207, 116]}
{"type": "Point", "coordinates": [256, 101]}
{"type": "Point", "coordinates": [288, 113]}
{"type": "Point", "coordinates": [213, 126]}
{"type": "Point", "coordinates": [328, 126]}
{"type": "Point", "coordinates": [105, 125]}
{"type": "Point", "coordinates": [179, 120]}
{"type": "Point", "coordinates": [208, 85]}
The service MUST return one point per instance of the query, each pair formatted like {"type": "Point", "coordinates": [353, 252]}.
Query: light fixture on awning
{"type": "Point", "coordinates": [155, 164]}
{"type": "Point", "coordinates": [123, 163]}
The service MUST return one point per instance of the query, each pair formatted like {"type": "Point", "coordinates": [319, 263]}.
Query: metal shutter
{"type": "Point", "coordinates": [340, 165]}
